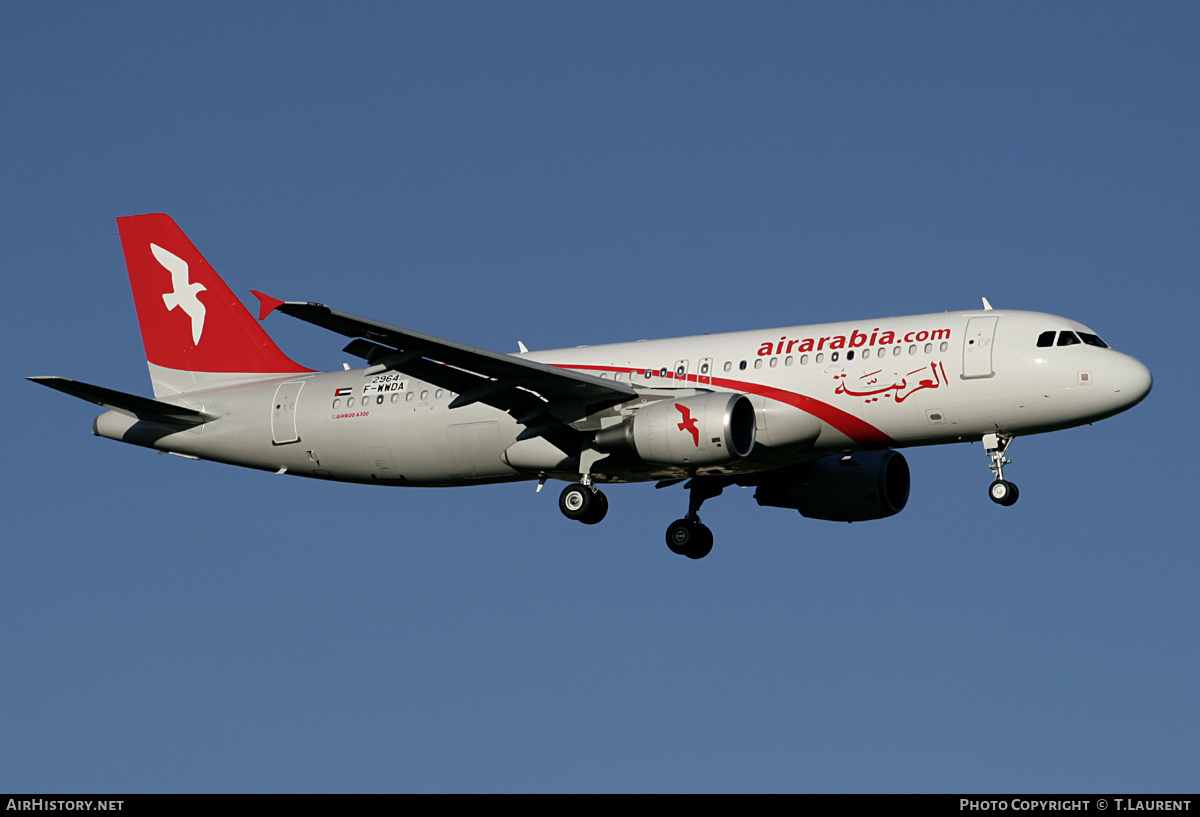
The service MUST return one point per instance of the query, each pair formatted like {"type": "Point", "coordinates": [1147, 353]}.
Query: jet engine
{"type": "Point", "coordinates": [841, 488]}
{"type": "Point", "coordinates": [704, 429]}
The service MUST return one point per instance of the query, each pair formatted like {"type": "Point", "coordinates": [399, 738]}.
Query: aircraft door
{"type": "Point", "coordinates": [681, 370]}
{"type": "Point", "coordinates": [704, 371]}
{"type": "Point", "coordinates": [977, 348]}
{"type": "Point", "coordinates": [283, 412]}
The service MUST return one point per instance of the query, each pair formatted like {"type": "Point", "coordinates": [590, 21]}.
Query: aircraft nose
{"type": "Point", "coordinates": [1131, 381]}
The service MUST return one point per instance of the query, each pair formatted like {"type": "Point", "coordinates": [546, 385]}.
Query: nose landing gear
{"type": "Point", "coordinates": [1001, 491]}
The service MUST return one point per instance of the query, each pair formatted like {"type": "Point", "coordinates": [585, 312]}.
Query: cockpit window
{"type": "Point", "coordinates": [1046, 339]}
{"type": "Point", "coordinates": [1093, 340]}
{"type": "Point", "coordinates": [1067, 339]}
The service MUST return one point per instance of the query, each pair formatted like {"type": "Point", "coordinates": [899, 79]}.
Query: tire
{"type": "Point", "coordinates": [690, 539]}
{"type": "Point", "coordinates": [679, 536]}
{"type": "Point", "coordinates": [1013, 494]}
{"type": "Point", "coordinates": [702, 543]}
{"type": "Point", "coordinates": [1002, 492]}
{"type": "Point", "coordinates": [575, 501]}
{"type": "Point", "coordinates": [597, 510]}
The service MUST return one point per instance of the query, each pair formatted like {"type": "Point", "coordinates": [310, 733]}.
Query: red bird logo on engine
{"type": "Point", "coordinates": [689, 423]}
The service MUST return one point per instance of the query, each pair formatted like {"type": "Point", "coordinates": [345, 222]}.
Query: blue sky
{"type": "Point", "coordinates": [563, 174]}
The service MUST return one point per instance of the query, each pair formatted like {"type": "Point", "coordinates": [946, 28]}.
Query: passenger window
{"type": "Point", "coordinates": [437, 394]}
{"type": "Point", "coordinates": [350, 403]}
{"type": "Point", "coordinates": [424, 396]}
{"type": "Point", "coordinates": [1067, 339]}
{"type": "Point", "coordinates": [742, 366]}
{"type": "Point", "coordinates": [912, 350]}
{"type": "Point", "coordinates": [758, 363]}
{"type": "Point", "coordinates": [728, 365]}
{"type": "Point", "coordinates": [928, 348]}
{"type": "Point", "coordinates": [337, 403]}
{"type": "Point", "coordinates": [944, 346]}
{"type": "Point", "coordinates": [896, 352]}
{"type": "Point", "coordinates": [803, 360]}
{"type": "Point", "coordinates": [787, 361]}
{"type": "Point", "coordinates": [395, 397]}
{"type": "Point", "coordinates": [833, 358]}
{"type": "Point", "coordinates": [408, 397]}
{"type": "Point", "coordinates": [850, 355]}
{"type": "Point", "coordinates": [820, 357]}
{"type": "Point", "coordinates": [866, 353]}
{"type": "Point", "coordinates": [379, 400]}
{"type": "Point", "coordinates": [1046, 339]}
{"type": "Point", "coordinates": [774, 362]}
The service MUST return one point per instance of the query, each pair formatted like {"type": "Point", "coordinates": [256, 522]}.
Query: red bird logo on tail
{"type": "Point", "coordinates": [689, 423]}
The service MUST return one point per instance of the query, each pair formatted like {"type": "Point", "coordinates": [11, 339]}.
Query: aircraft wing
{"type": "Point", "coordinates": [143, 408]}
{"type": "Point", "coordinates": [537, 395]}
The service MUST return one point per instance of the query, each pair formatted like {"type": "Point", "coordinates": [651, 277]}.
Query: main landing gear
{"type": "Point", "coordinates": [584, 502]}
{"type": "Point", "coordinates": [1001, 491]}
{"type": "Point", "coordinates": [689, 536]}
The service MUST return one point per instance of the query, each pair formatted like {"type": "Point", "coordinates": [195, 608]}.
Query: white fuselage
{"type": "Point", "coordinates": [816, 390]}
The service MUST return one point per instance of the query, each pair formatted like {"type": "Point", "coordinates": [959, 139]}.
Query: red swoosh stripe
{"type": "Point", "coordinates": [856, 429]}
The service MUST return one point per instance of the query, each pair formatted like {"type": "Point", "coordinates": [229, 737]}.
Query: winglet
{"type": "Point", "coordinates": [266, 304]}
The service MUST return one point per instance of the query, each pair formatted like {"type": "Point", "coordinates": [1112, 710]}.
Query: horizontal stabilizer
{"type": "Point", "coordinates": [142, 408]}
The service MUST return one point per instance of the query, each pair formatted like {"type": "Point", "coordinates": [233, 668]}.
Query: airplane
{"type": "Point", "coordinates": [809, 416]}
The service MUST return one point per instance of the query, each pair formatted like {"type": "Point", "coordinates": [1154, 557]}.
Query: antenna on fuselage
{"type": "Point", "coordinates": [986, 305]}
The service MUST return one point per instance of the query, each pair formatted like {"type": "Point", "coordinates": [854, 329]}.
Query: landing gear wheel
{"type": "Point", "coordinates": [690, 539]}
{"type": "Point", "coordinates": [1003, 492]}
{"type": "Point", "coordinates": [576, 501]}
{"type": "Point", "coordinates": [703, 543]}
{"type": "Point", "coordinates": [679, 536]}
{"type": "Point", "coordinates": [597, 510]}
{"type": "Point", "coordinates": [582, 503]}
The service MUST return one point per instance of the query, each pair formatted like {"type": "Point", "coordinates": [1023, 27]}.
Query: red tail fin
{"type": "Point", "coordinates": [191, 321]}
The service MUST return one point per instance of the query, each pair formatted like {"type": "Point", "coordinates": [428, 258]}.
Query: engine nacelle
{"type": "Point", "coordinates": [867, 485]}
{"type": "Point", "coordinates": [704, 429]}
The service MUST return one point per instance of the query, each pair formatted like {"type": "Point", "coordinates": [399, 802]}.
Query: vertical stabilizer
{"type": "Point", "coordinates": [196, 332]}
